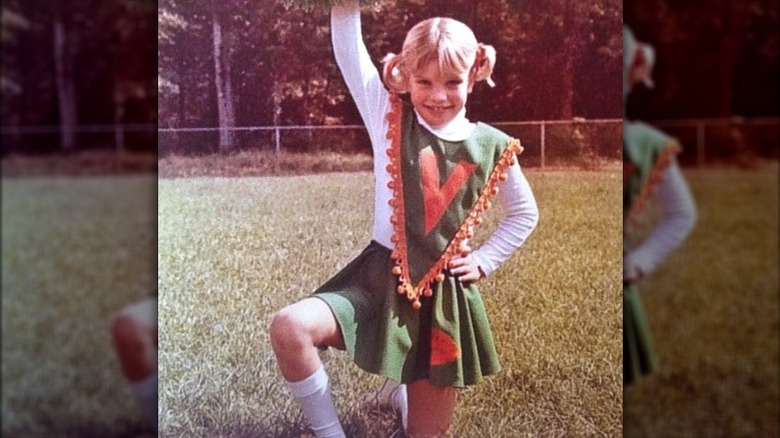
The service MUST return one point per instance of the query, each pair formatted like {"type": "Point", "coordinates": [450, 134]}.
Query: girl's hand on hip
{"type": "Point", "coordinates": [464, 267]}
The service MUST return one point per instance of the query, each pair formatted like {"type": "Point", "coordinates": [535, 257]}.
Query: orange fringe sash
{"type": "Point", "coordinates": [465, 231]}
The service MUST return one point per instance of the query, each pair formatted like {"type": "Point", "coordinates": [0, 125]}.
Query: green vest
{"type": "Point", "coordinates": [440, 189]}
{"type": "Point", "coordinates": [647, 152]}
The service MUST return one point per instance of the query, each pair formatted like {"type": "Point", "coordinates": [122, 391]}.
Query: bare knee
{"type": "Point", "coordinates": [288, 331]}
{"type": "Point", "coordinates": [133, 346]}
{"type": "Point", "coordinates": [128, 334]}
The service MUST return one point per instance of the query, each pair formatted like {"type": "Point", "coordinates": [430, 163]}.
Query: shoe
{"type": "Point", "coordinates": [385, 396]}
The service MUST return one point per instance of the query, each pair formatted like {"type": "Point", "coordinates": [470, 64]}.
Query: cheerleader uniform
{"type": "Point", "coordinates": [399, 311]}
{"type": "Point", "coordinates": [649, 170]}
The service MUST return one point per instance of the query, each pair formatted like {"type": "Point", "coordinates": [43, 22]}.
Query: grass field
{"type": "Point", "coordinates": [713, 309]}
{"type": "Point", "coordinates": [234, 250]}
{"type": "Point", "coordinates": [74, 252]}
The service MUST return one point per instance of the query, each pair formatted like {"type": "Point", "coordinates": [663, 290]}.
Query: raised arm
{"type": "Point", "coordinates": [520, 218]}
{"type": "Point", "coordinates": [360, 74]}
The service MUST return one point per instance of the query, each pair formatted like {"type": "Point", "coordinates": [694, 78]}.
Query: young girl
{"type": "Point", "coordinates": [407, 307]}
{"type": "Point", "coordinates": [649, 170]}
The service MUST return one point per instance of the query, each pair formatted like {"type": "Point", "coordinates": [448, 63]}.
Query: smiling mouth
{"type": "Point", "coordinates": [438, 109]}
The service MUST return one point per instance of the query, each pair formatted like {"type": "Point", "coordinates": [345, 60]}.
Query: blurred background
{"type": "Point", "coordinates": [79, 151]}
{"type": "Point", "coordinates": [78, 76]}
{"type": "Point", "coordinates": [79, 194]}
{"type": "Point", "coordinates": [716, 76]}
{"type": "Point", "coordinates": [713, 305]}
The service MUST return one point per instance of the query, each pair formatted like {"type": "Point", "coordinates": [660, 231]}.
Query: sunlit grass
{"type": "Point", "coordinates": [261, 163]}
{"type": "Point", "coordinates": [233, 251]}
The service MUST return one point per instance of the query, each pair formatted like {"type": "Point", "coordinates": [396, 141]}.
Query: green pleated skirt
{"type": "Point", "coordinates": [447, 341]}
{"type": "Point", "coordinates": [639, 356]}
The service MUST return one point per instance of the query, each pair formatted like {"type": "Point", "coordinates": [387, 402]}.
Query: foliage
{"type": "Point", "coordinates": [111, 44]}
{"type": "Point", "coordinates": [718, 61]}
{"type": "Point", "coordinates": [322, 4]}
{"type": "Point", "coordinates": [284, 71]}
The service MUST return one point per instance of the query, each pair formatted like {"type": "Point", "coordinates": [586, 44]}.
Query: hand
{"type": "Point", "coordinates": [631, 272]}
{"type": "Point", "coordinates": [464, 267]}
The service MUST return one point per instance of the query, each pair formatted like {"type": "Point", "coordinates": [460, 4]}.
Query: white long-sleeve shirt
{"type": "Point", "coordinates": [365, 85]}
{"type": "Point", "coordinates": [678, 218]}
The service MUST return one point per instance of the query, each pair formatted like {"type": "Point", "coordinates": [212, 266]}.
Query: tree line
{"type": "Point", "coordinates": [77, 62]}
{"type": "Point", "coordinates": [715, 59]}
{"type": "Point", "coordinates": [249, 63]}
{"type": "Point", "coordinates": [234, 63]}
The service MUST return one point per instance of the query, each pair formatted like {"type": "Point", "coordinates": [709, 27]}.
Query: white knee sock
{"type": "Point", "coordinates": [313, 394]}
{"type": "Point", "coordinates": [145, 392]}
{"type": "Point", "coordinates": [401, 403]}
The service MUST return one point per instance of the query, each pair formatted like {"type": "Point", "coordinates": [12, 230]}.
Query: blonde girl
{"type": "Point", "coordinates": [650, 171]}
{"type": "Point", "coordinates": [408, 307]}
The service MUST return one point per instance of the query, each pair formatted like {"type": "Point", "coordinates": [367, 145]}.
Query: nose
{"type": "Point", "coordinates": [439, 94]}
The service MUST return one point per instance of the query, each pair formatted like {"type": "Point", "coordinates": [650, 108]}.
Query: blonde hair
{"type": "Point", "coordinates": [449, 43]}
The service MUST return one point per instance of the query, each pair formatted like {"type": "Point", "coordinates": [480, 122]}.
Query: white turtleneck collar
{"type": "Point", "coordinates": [458, 129]}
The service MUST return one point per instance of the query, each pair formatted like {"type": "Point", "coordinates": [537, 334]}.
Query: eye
{"type": "Point", "coordinates": [423, 82]}
{"type": "Point", "coordinates": [454, 83]}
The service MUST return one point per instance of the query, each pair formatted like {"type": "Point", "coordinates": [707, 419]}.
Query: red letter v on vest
{"type": "Point", "coordinates": [437, 198]}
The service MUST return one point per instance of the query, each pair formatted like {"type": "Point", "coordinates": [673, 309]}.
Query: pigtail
{"type": "Point", "coordinates": [484, 64]}
{"type": "Point", "coordinates": [648, 55]}
{"type": "Point", "coordinates": [394, 78]}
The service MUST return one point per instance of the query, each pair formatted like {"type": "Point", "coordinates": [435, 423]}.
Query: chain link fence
{"type": "Point", "coordinates": [546, 143]}
{"type": "Point", "coordinates": [720, 141]}
{"type": "Point", "coordinates": [34, 140]}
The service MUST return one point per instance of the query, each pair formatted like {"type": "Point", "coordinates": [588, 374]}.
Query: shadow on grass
{"type": "Point", "coordinates": [360, 423]}
{"type": "Point", "coordinates": [83, 429]}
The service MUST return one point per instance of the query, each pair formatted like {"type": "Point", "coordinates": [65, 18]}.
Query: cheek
{"type": "Point", "coordinates": [463, 93]}
{"type": "Point", "coordinates": [415, 95]}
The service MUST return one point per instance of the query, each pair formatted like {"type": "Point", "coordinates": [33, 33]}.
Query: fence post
{"type": "Point", "coordinates": [277, 148]}
{"type": "Point", "coordinates": [119, 140]}
{"type": "Point", "coordinates": [541, 128]}
{"type": "Point", "coordinates": [700, 144]}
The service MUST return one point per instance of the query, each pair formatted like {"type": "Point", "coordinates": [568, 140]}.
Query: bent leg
{"type": "Point", "coordinates": [134, 333]}
{"type": "Point", "coordinates": [431, 409]}
{"type": "Point", "coordinates": [297, 331]}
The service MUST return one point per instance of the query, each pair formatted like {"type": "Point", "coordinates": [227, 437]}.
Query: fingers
{"type": "Point", "coordinates": [464, 269]}
{"type": "Point", "coordinates": [469, 277]}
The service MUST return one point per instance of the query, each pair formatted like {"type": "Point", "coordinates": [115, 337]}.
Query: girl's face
{"type": "Point", "coordinates": [439, 96]}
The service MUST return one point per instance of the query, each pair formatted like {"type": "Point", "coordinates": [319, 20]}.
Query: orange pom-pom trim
{"type": "Point", "coordinates": [466, 229]}
{"type": "Point", "coordinates": [647, 191]}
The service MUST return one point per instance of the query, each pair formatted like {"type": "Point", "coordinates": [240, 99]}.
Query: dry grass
{"type": "Point", "coordinates": [265, 163]}
{"type": "Point", "coordinates": [74, 252]}
{"type": "Point", "coordinates": [713, 309]}
{"type": "Point", "coordinates": [233, 251]}
{"type": "Point", "coordinates": [79, 163]}
{"type": "Point", "coordinates": [254, 163]}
